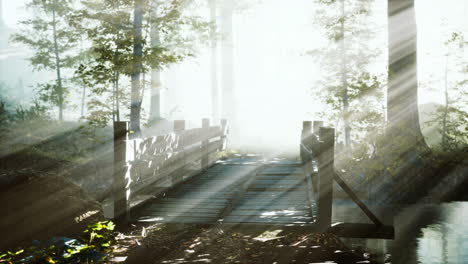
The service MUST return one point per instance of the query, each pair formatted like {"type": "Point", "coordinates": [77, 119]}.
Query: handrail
{"type": "Point", "coordinates": [143, 163]}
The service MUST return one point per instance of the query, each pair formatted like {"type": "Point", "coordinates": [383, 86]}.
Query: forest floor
{"type": "Point", "coordinates": [190, 243]}
{"type": "Point", "coordinates": [43, 169]}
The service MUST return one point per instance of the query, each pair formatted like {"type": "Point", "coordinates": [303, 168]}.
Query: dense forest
{"type": "Point", "coordinates": [103, 102]}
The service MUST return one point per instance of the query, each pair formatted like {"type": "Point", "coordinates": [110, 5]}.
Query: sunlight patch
{"type": "Point", "coordinates": [82, 217]}
{"type": "Point", "coordinates": [269, 235]}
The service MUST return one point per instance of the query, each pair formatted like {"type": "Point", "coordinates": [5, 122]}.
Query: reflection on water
{"type": "Point", "coordinates": [426, 234]}
{"type": "Point", "coordinates": [447, 240]}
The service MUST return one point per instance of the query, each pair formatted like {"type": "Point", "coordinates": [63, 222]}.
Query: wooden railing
{"type": "Point", "coordinates": [317, 154]}
{"type": "Point", "coordinates": [145, 166]}
{"type": "Point", "coordinates": [317, 150]}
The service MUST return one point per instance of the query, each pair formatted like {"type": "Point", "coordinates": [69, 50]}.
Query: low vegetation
{"type": "Point", "coordinates": [94, 246]}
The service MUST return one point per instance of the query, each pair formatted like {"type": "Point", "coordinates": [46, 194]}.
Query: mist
{"type": "Point", "coordinates": [243, 131]}
{"type": "Point", "coordinates": [275, 81]}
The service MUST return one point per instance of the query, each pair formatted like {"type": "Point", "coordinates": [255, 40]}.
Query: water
{"type": "Point", "coordinates": [427, 234]}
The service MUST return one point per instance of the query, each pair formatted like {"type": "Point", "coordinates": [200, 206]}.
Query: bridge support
{"type": "Point", "coordinates": [120, 169]}
{"type": "Point", "coordinates": [204, 146]}
{"type": "Point", "coordinates": [325, 162]}
{"type": "Point", "coordinates": [322, 150]}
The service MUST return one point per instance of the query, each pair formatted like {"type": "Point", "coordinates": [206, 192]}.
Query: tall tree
{"type": "Point", "coordinates": [124, 51]}
{"type": "Point", "coordinates": [227, 61]}
{"type": "Point", "coordinates": [402, 89]}
{"type": "Point", "coordinates": [136, 99]}
{"type": "Point", "coordinates": [1, 14]}
{"type": "Point", "coordinates": [451, 117]}
{"type": "Point", "coordinates": [155, 107]}
{"type": "Point", "coordinates": [344, 60]}
{"type": "Point", "coordinates": [52, 40]}
{"type": "Point", "coordinates": [214, 63]}
{"type": "Point", "coordinates": [108, 24]}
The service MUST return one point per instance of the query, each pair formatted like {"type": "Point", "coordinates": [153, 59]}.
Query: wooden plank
{"type": "Point", "coordinates": [265, 215]}
{"type": "Point", "coordinates": [272, 206]}
{"type": "Point", "coordinates": [275, 195]}
{"type": "Point", "coordinates": [187, 202]}
{"type": "Point", "coordinates": [282, 169]}
{"type": "Point", "coordinates": [276, 201]}
{"type": "Point", "coordinates": [191, 200]}
{"type": "Point", "coordinates": [277, 184]}
{"type": "Point", "coordinates": [187, 220]}
{"type": "Point", "coordinates": [174, 165]}
{"type": "Point", "coordinates": [272, 201]}
{"type": "Point", "coordinates": [285, 187]}
{"type": "Point", "coordinates": [179, 210]}
{"type": "Point", "coordinates": [197, 135]}
{"type": "Point", "coordinates": [181, 214]}
{"type": "Point", "coordinates": [277, 189]}
{"type": "Point", "coordinates": [279, 177]}
{"type": "Point", "coordinates": [238, 219]}
{"type": "Point", "coordinates": [356, 199]}
{"type": "Point", "coordinates": [268, 213]}
{"type": "Point", "coordinates": [201, 206]}
{"type": "Point", "coordinates": [278, 197]}
{"type": "Point", "coordinates": [181, 138]}
{"type": "Point", "coordinates": [285, 174]}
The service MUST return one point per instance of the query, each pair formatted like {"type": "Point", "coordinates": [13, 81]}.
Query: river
{"type": "Point", "coordinates": [424, 233]}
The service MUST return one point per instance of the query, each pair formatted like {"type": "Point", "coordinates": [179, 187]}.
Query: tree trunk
{"type": "Point", "coordinates": [402, 91]}
{"type": "Point", "coordinates": [117, 96]}
{"type": "Point", "coordinates": [444, 120]}
{"type": "Point", "coordinates": [213, 65]}
{"type": "Point", "coordinates": [83, 96]}
{"type": "Point", "coordinates": [135, 107]}
{"type": "Point", "coordinates": [405, 142]}
{"type": "Point", "coordinates": [344, 78]}
{"type": "Point", "coordinates": [227, 77]}
{"type": "Point", "coordinates": [57, 66]}
{"type": "Point", "coordinates": [155, 107]}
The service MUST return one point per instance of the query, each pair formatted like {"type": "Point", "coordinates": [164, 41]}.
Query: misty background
{"type": "Point", "coordinates": [275, 81]}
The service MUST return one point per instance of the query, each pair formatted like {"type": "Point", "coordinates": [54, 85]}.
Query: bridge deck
{"type": "Point", "coordinates": [238, 191]}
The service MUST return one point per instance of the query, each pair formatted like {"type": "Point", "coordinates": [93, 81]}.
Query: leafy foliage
{"type": "Point", "coordinates": [94, 247]}
{"type": "Point", "coordinates": [451, 118]}
{"type": "Point", "coordinates": [347, 84]}
{"type": "Point", "coordinates": [52, 40]}
{"type": "Point", "coordinates": [109, 25]}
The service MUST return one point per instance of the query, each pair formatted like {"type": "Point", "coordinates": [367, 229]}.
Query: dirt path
{"type": "Point", "coordinates": [172, 243]}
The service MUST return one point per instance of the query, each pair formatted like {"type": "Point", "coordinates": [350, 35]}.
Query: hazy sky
{"type": "Point", "coordinates": [13, 11]}
{"type": "Point", "coordinates": [273, 81]}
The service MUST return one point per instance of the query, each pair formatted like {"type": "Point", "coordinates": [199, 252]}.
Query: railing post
{"type": "Point", "coordinates": [317, 125]}
{"type": "Point", "coordinates": [179, 126]}
{"type": "Point", "coordinates": [306, 130]}
{"type": "Point", "coordinates": [326, 174]}
{"type": "Point", "coordinates": [204, 145]}
{"type": "Point", "coordinates": [119, 186]}
{"type": "Point", "coordinates": [224, 129]}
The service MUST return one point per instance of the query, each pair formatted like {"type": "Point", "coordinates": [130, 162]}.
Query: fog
{"type": "Point", "coordinates": [275, 81]}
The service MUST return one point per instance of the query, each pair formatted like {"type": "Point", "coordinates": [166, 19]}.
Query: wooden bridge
{"type": "Point", "coordinates": [183, 177]}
